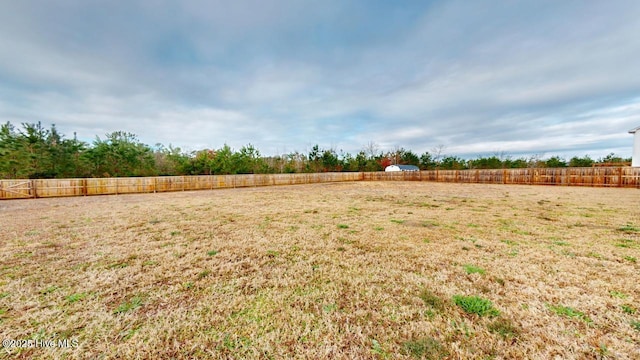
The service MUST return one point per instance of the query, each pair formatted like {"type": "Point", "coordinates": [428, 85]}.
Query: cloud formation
{"type": "Point", "coordinates": [517, 77]}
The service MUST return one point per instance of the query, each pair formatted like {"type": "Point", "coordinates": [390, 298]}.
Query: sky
{"type": "Point", "coordinates": [472, 78]}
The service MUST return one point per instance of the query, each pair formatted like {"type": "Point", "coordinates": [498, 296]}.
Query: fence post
{"type": "Point", "coordinates": [34, 188]}
{"type": "Point", "coordinates": [620, 177]}
{"type": "Point", "coordinates": [85, 191]}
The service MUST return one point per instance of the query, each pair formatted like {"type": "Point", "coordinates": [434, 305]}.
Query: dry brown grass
{"type": "Point", "coordinates": [349, 270]}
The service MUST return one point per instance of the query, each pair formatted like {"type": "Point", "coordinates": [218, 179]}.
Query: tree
{"type": "Point", "coordinates": [34, 141]}
{"type": "Point", "coordinates": [535, 161]}
{"type": "Point", "coordinates": [171, 161]}
{"type": "Point", "coordinates": [248, 161]}
{"type": "Point", "coordinates": [120, 154]}
{"type": "Point", "coordinates": [520, 163]}
{"type": "Point", "coordinates": [372, 150]}
{"type": "Point", "coordinates": [14, 161]}
{"type": "Point", "coordinates": [585, 161]}
{"type": "Point", "coordinates": [492, 162]}
{"type": "Point", "coordinates": [296, 162]}
{"type": "Point", "coordinates": [315, 156]}
{"type": "Point", "coordinates": [408, 157]}
{"type": "Point", "coordinates": [452, 163]}
{"type": "Point", "coordinates": [222, 162]}
{"type": "Point", "coordinates": [612, 158]}
{"type": "Point", "coordinates": [361, 161]}
{"type": "Point", "coordinates": [555, 162]}
{"type": "Point", "coordinates": [427, 162]}
{"type": "Point", "coordinates": [330, 161]}
{"type": "Point", "coordinates": [436, 153]}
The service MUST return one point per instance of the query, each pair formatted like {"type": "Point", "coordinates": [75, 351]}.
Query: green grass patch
{"type": "Point", "coordinates": [617, 294]}
{"type": "Point", "coordinates": [635, 324]}
{"type": "Point", "coordinates": [472, 269]}
{"type": "Point", "coordinates": [345, 240]}
{"type": "Point", "coordinates": [135, 303]}
{"type": "Point", "coordinates": [626, 243]}
{"type": "Point", "coordinates": [377, 349]}
{"type": "Point", "coordinates": [629, 229]}
{"type": "Point", "coordinates": [343, 226]}
{"type": "Point", "coordinates": [630, 259]}
{"type": "Point", "coordinates": [48, 290]}
{"type": "Point", "coordinates": [595, 255]}
{"type": "Point", "coordinates": [329, 308]}
{"type": "Point", "coordinates": [430, 223]}
{"type": "Point", "coordinates": [76, 297]}
{"type": "Point", "coordinates": [628, 309]}
{"type": "Point", "coordinates": [475, 305]}
{"type": "Point", "coordinates": [118, 265]}
{"type": "Point", "coordinates": [203, 274]}
{"type": "Point", "coordinates": [425, 348]}
{"type": "Point", "coordinates": [212, 252]}
{"type": "Point", "coordinates": [397, 221]}
{"type": "Point", "coordinates": [569, 312]}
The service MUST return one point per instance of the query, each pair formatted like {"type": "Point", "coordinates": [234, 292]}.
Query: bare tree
{"type": "Point", "coordinates": [437, 153]}
{"type": "Point", "coordinates": [397, 150]}
{"type": "Point", "coordinates": [371, 149]}
{"type": "Point", "coordinates": [501, 155]}
{"type": "Point", "coordinates": [535, 160]}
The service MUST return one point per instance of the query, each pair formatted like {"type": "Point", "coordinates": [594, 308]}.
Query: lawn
{"type": "Point", "coordinates": [340, 270]}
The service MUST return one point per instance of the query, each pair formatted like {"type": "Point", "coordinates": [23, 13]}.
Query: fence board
{"type": "Point", "coordinates": [592, 176]}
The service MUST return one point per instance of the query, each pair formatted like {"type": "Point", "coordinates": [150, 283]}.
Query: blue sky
{"type": "Point", "coordinates": [520, 78]}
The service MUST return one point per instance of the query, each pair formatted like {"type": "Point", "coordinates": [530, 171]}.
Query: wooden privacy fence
{"type": "Point", "coordinates": [592, 176]}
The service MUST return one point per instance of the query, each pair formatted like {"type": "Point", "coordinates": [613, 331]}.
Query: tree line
{"type": "Point", "coordinates": [33, 151]}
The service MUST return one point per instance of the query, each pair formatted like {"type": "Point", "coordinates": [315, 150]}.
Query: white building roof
{"type": "Point", "coordinates": [633, 131]}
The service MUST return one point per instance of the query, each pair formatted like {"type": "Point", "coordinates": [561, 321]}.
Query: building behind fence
{"type": "Point", "coordinates": [41, 188]}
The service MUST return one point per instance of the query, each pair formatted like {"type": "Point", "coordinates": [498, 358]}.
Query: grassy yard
{"type": "Point", "coordinates": [380, 270]}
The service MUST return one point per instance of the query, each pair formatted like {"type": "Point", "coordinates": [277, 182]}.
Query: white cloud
{"type": "Point", "coordinates": [519, 77]}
